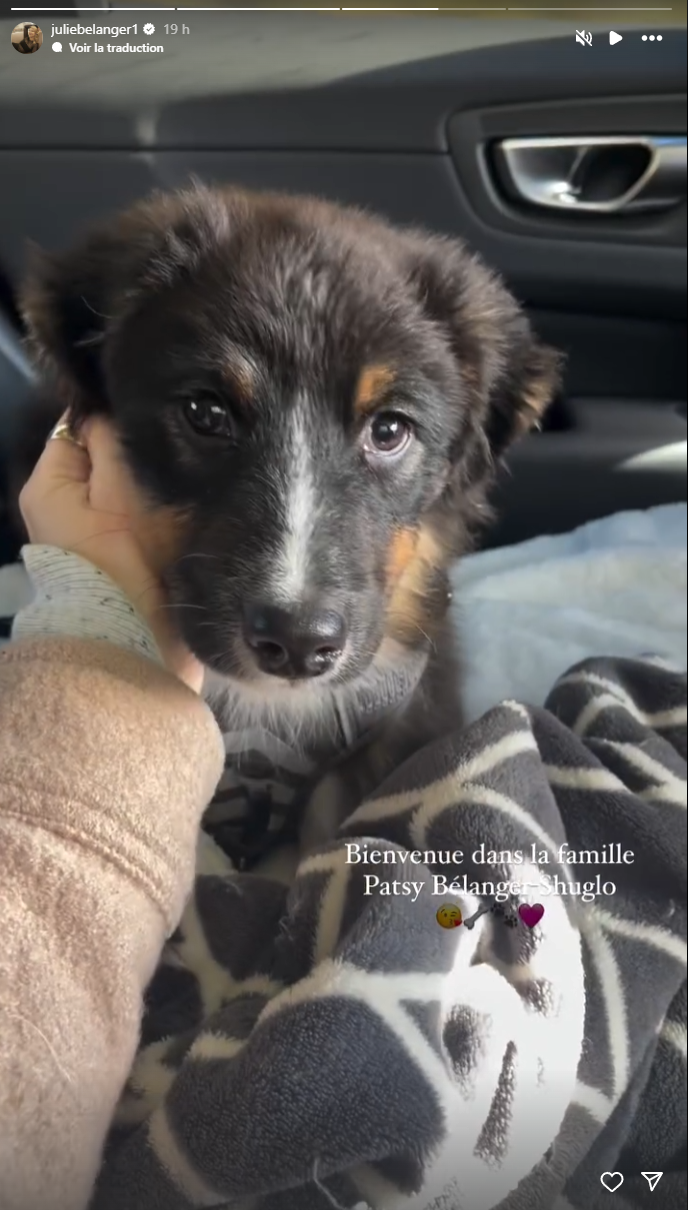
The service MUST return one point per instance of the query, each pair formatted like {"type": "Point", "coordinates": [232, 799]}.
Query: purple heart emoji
{"type": "Point", "coordinates": [531, 914]}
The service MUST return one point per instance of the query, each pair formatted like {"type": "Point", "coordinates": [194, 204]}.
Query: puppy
{"type": "Point", "coordinates": [313, 403]}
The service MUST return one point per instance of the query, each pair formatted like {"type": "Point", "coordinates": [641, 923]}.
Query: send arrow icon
{"type": "Point", "coordinates": [614, 38]}
{"type": "Point", "coordinates": [652, 1178]}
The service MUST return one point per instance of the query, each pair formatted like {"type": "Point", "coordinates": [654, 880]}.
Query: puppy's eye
{"type": "Point", "coordinates": [387, 433]}
{"type": "Point", "coordinates": [208, 416]}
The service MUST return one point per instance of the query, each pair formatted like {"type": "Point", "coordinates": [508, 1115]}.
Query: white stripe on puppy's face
{"type": "Point", "coordinates": [301, 509]}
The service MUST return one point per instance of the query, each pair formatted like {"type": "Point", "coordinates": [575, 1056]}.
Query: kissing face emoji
{"type": "Point", "coordinates": [449, 916]}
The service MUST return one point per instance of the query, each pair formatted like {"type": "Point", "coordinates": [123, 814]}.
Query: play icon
{"type": "Point", "coordinates": [614, 38]}
{"type": "Point", "coordinates": [652, 1178]}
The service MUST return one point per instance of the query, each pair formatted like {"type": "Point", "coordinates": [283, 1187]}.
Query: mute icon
{"type": "Point", "coordinates": [653, 1179]}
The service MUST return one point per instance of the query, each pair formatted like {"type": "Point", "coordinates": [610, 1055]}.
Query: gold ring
{"type": "Point", "coordinates": [63, 432]}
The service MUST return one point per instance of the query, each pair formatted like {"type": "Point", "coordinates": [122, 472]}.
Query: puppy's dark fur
{"type": "Point", "coordinates": [293, 325]}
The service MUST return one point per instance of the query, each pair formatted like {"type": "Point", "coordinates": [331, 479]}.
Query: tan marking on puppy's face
{"type": "Point", "coordinates": [240, 377]}
{"type": "Point", "coordinates": [401, 551]}
{"type": "Point", "coordinates": [419, 598]}
{"type": "Point", "coordinates": [373, 383]}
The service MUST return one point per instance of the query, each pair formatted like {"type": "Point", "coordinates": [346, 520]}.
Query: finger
{"type": "Point", "coordinates": [63, 467]}
{"type": "Point", "coordinates": [62, 461]}
{"type": "Point", "coordinates": [111, 486]}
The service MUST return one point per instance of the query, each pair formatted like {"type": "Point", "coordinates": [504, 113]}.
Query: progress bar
{"type": "Point", "coordinates": [445, 8]}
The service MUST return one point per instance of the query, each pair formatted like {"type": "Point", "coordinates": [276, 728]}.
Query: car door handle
{"type": "Point", "coordinates": [597, 175]}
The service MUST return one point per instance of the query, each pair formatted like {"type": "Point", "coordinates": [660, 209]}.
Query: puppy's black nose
{"type": "Point", "coordinates": [297, 643]}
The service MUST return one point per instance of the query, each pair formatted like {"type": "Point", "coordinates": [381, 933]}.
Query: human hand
{"type": "Point", "coordinates": [82, 498]}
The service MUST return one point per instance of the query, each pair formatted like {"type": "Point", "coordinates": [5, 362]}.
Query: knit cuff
{"type": "Point", "coordinates": [75, 599]}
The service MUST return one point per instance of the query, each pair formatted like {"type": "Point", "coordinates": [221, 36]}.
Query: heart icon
{"type": "Point", "coordinates": [611, 1181]}
{"type": "Point", "coordinates": [531, 914]}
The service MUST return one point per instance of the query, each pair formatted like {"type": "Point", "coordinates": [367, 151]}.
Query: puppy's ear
{"type": "Point", "coordinates": [510, 377]}
{"type": "Point", "coordinates": [73, 302]}
{"type": "Point", "coordinates": [64, 307]}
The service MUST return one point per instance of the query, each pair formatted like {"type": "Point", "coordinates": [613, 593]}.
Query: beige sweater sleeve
{"type": "Point", "coordinates": [106, 765]}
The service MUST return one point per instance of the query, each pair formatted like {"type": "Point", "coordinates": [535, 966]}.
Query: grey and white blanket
{"type": "Point", "coordinates": [330, 1044]}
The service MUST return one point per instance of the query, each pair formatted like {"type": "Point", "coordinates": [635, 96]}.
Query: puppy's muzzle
{"type": "Point", "coordinates": [294, 643]}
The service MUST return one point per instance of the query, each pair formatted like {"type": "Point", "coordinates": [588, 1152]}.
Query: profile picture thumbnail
{"type": "Point", "coordinates": [27, 37]}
